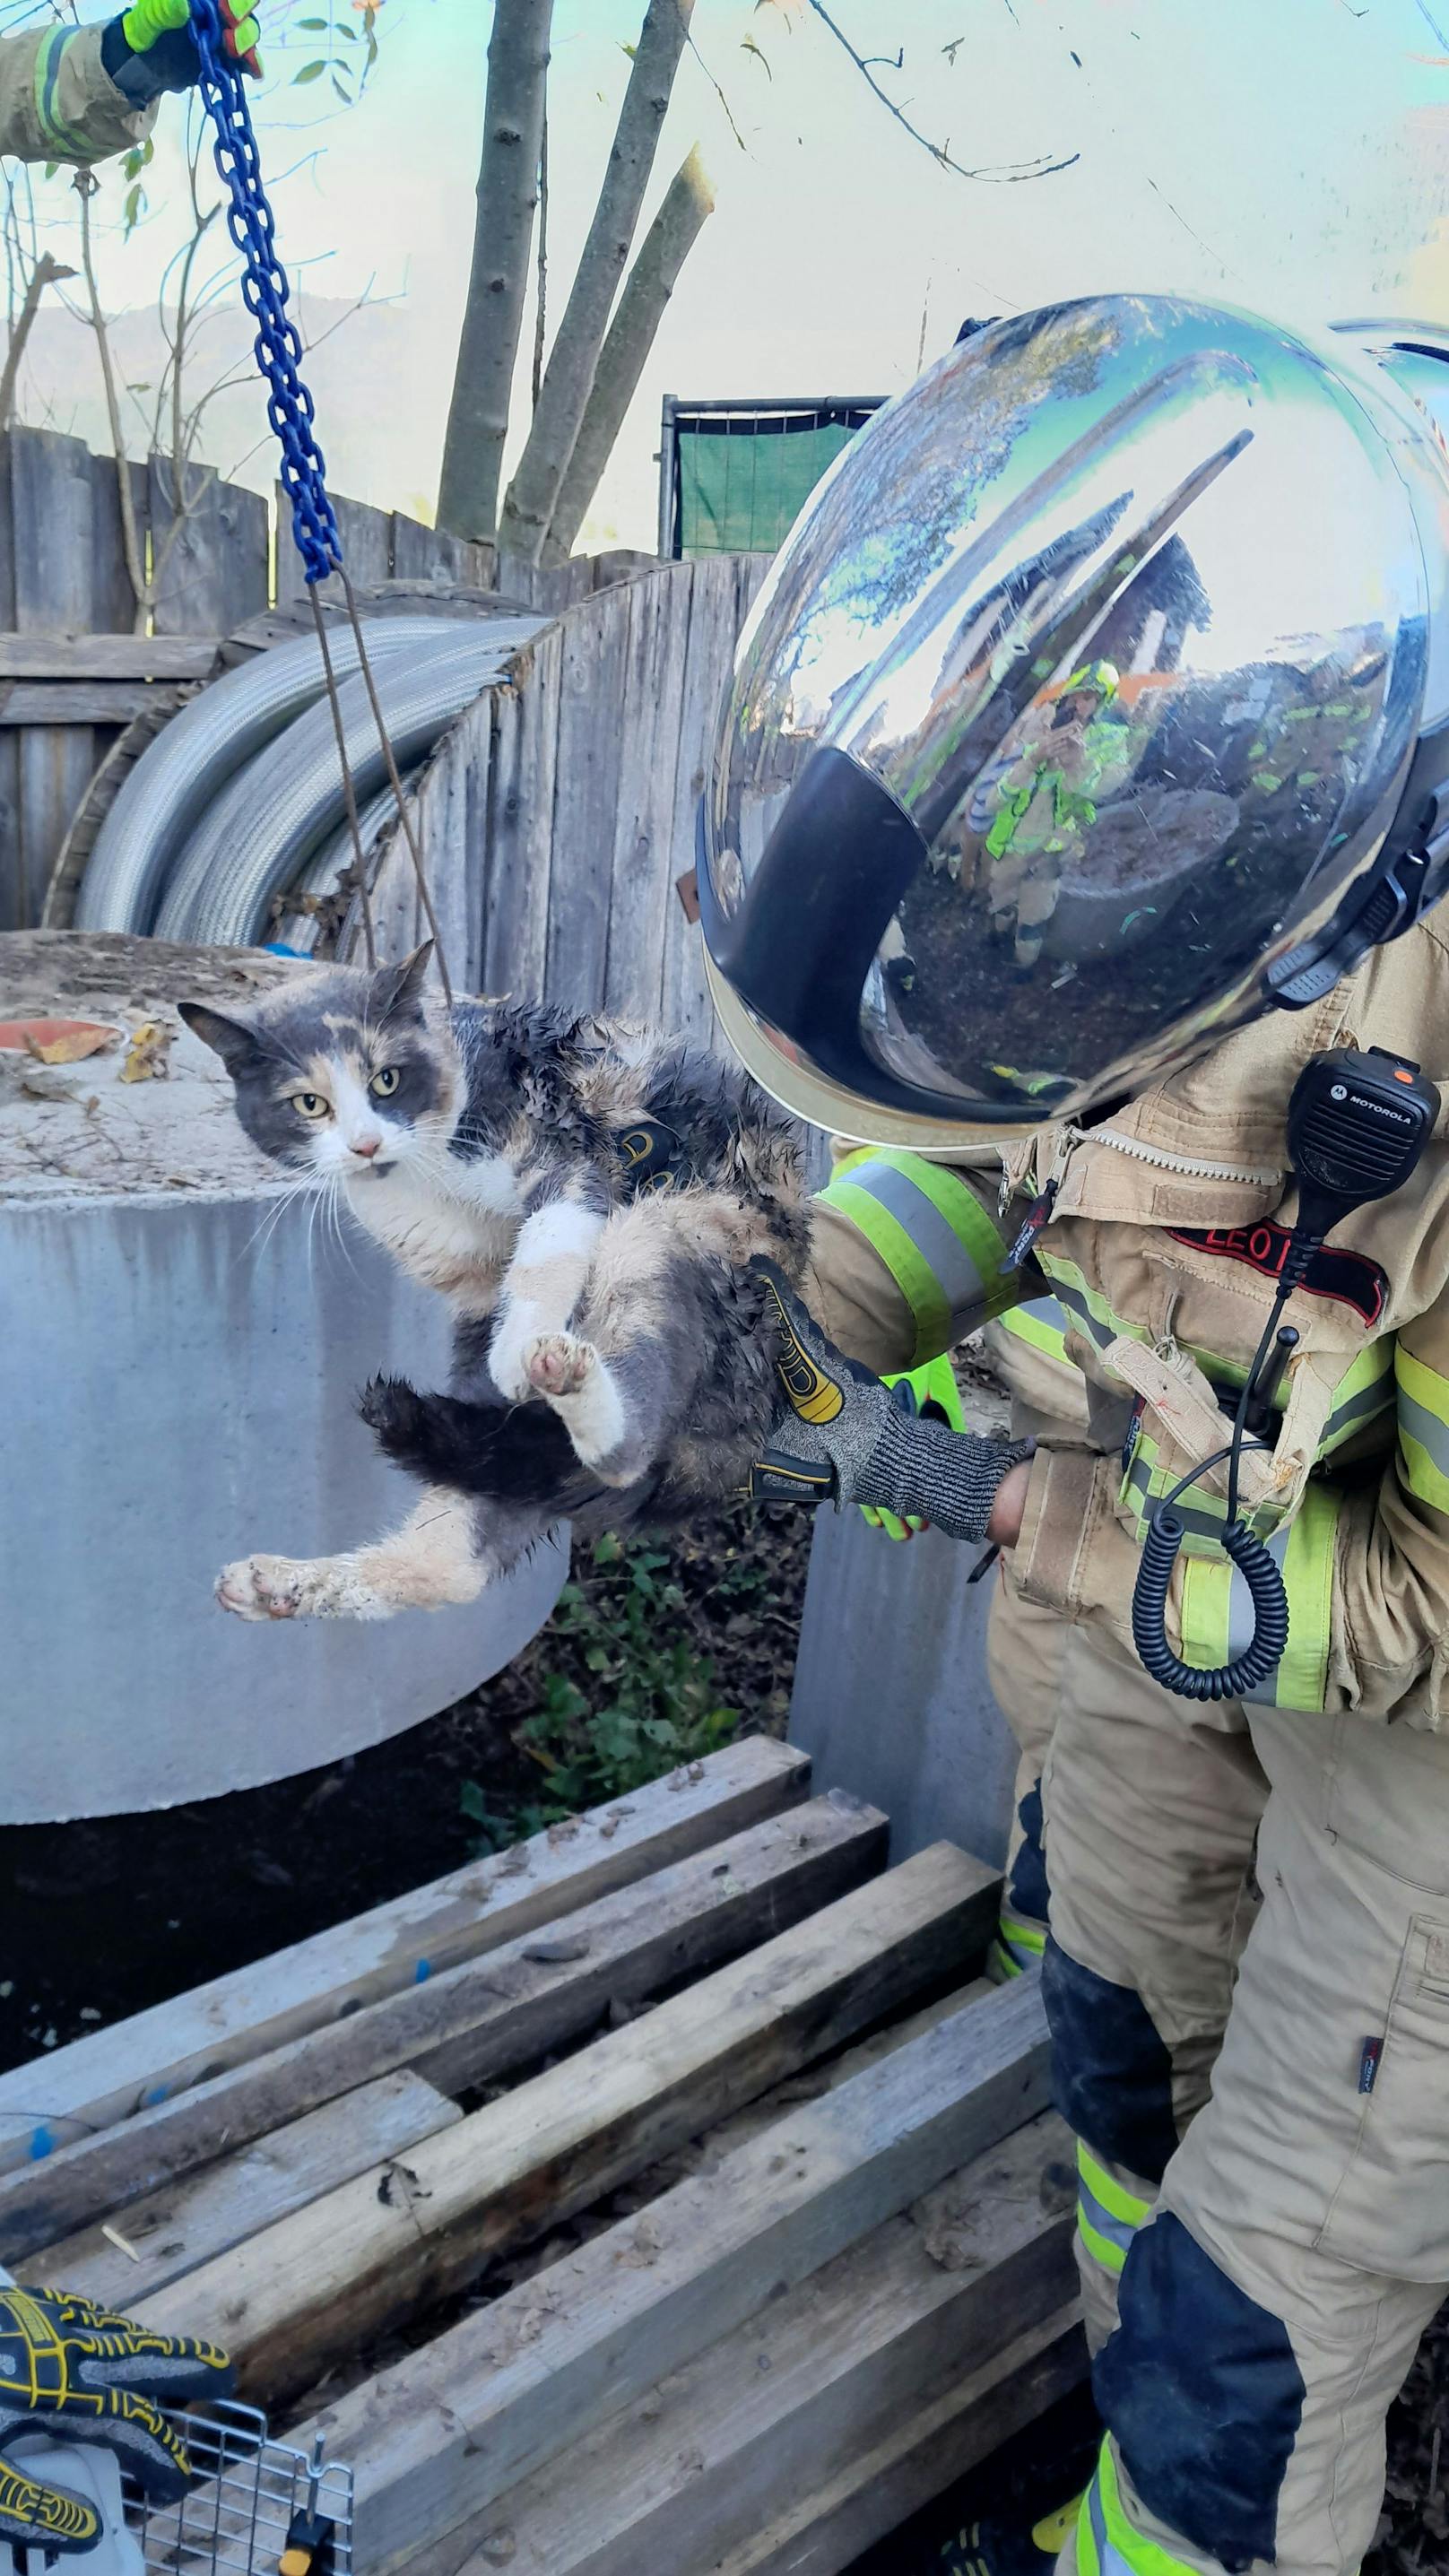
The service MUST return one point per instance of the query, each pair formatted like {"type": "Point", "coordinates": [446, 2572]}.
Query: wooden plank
{"type": "Point", "coordinates": [11, 875]}
{"type": "Point", "coordinates": [310, 2287]}
{"type": "Point", "coordinates": [430, 554]}
{"type": "Point", "coordinates": [196, 2036]}
{"type": "Point", "coordinates": [88, 702]}
{"type": "Point", "coordinates": [449, 812]}
{"type": "Point", "coordinates": [657, 614]}
{"type": "Point", "coordinates": [715, 2451]}
{"type": "Point", "coordinates": [173, 2231]}
{"type": "Point", "coordinates": [517, 886]}
{"type": "Point", "coordinates": [216, 567]}
{"type": "Point", "coordinates": [52, 655]}
{"type": "Point", "coordinates": [52, 512]}
{"type": "Point", "coordinates": [473, 2022]}
{"type": "Point", "coordinates": [586, 791]}
{"type": "Point", "coordinates": [444, 2431]}
{"type": "Point", "coordinates": [684, 1004]}
{"type": "Point", "coordinates": [924, 2451]}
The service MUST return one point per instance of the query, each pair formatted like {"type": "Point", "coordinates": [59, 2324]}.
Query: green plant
{"type": "Point", "coordinates": [627, 1697]}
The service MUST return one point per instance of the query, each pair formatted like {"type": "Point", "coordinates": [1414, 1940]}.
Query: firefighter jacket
{"type": "Point", "coordinates": [1168, 1230]}
{"type": "Point", "coordinates": [57, 102]}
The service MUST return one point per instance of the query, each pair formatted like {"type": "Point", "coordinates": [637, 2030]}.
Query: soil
{"type": "Point", "coordinates": [100, 1919]}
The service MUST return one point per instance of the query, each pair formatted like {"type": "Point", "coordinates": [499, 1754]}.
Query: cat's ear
{"type": "Point", "coordinates": [232, 1040]}
{"type": "Point", "coordinates": [399, 988]}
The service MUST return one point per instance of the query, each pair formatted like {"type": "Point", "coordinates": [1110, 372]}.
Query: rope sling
{"type": "Point", "coordinates": [290, 409]}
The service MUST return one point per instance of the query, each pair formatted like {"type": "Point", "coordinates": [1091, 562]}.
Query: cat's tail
{"type": "Point", "coordinates": [515, 1454]}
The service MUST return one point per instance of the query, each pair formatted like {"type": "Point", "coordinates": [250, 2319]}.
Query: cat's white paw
{"type": "Point", "coordinates": [286, 1587]}
{"type": "Point", "coordinates": [261, 1587]}
{"type": "Point", "coordinates": [508, 1366]}
{"type": "Point", "coordinates": [556, 1364]}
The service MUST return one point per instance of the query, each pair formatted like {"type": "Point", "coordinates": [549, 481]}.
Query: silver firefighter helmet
{"type": "Point", "coordinates": [1097, 703]}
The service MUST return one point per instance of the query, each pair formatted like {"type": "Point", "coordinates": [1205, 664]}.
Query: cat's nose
{"type": "Point", "coordinates": [366, 1146]}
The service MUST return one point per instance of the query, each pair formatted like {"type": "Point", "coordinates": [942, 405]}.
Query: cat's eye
{"type": "Point", "coordinates": [385, 1083]}
{"type": "Point", "coordinates": [311, 1103]}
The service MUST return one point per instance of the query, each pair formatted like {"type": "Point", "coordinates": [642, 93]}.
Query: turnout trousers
{"type": "Point", "coordinates": [1245, 1957]}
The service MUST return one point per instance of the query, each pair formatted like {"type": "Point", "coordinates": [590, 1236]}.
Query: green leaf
{"type": "Point", "coordinates": [472, 1803]}
{"type": "Point", "coordinates": [607, 1551]}
{"type": "Point", "coordinates": [314, 26]}
{"type": "Point", "coordinates": [51, 168]}
{"type": "Point", "coordinates": [132, 211]}
{"type": "Point", "coordinates": [597, 1658]}
{"type": "Point", "coordinates": [344, 94]}
{"type": "Point", "coordinates": [308, 72]}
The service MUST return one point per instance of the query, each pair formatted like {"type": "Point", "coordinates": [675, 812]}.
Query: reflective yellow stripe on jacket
{"type": "Point", "coordinates": [1423, 1398]}
{"type": "Point", "coordinates": [934, 1237]}
{"type": "Point", "coordinates": [67, 142]}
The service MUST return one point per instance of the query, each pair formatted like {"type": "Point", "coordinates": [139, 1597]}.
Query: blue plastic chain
{"type": "Point", "coordinates": [265, 292]}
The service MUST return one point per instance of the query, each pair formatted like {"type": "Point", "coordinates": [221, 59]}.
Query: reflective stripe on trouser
{"type": "Point", "coordinates": [933, 1235]}
{"type": "Point", "coordinates": [1270, 2308]}
{"type": "Point", "coordinates": [1108, 2213]}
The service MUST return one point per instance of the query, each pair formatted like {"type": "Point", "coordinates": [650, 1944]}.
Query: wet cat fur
{"type": "Point", "coordinates": [510, 1125]}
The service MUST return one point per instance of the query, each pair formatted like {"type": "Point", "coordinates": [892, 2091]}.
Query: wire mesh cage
{"type": "Point", "coordinates": [239, 2514]}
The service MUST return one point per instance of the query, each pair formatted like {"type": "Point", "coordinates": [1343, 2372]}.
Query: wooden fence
{"type": "Point", "coordinates": [74, 671]}
{"type": "Point", "coordinates": [558, 813]}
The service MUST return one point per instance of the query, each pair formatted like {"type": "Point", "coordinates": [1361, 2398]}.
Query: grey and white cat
{"type": "Point", "coordinates": [588, 1200]}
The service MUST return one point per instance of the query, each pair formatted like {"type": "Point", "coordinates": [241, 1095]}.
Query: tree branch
{"type": "Point", "coordinates": [662, 255]}
{"type": "Point", "coordinates": [1005, 172]}
{"type": "Point", "coordinates": [46, 272]}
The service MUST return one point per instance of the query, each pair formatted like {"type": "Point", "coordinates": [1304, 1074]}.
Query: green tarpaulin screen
{"type": "Point", "coordinates": [737, 478]}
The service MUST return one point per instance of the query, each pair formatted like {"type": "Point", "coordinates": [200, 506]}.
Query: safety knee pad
{"type": "Point", "coordinates": [1111, 2072]}
{"type": "Point", "coordinates": [1201, 2390]}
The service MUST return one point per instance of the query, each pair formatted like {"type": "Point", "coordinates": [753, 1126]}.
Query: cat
{"type": "Point", "coordinates": [588, 1200]}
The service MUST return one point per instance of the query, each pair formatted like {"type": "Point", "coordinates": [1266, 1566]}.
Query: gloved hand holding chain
{"type": "Point", "coordinates": [846, 1438]}
{"type": "Point", "coordinates": [76, 2373]}
{"type": "Point", "coordinates": [151, 48]}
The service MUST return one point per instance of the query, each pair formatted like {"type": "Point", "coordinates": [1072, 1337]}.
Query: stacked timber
{"type": "Point", "coordinates": [667, 2194]}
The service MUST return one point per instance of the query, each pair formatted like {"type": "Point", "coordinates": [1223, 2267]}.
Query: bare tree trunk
{"type": "Point", "coordinates": [493, 315]}
{"type": "Point", "coordinates": [540, 266]}
{"type": "Point", "coordinates": [662, 255]}
{"type": "Point", "coordinates": [533, 493]}
{"type": "Point", "coordinates": [46, 272]}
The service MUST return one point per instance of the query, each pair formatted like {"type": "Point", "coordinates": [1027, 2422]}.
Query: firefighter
{"type": "Point", "coordinates": [1246, 1969]}
{"type": "Point", "coordinates": [80, 94]}
{"type": "Point", "coordinates": [1046, 802]}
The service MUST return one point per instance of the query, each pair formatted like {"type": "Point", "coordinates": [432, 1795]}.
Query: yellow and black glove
{"type": "Point", "coordinates": [152, 48]}
{"type": "Point", "coordinates": [844, 1437]}
{"type": "Point", "coordinates": [76, 2373]}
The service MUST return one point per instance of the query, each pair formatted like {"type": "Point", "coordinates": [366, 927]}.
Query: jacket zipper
{"type": "Point", "coordinates": [1192, 1166]}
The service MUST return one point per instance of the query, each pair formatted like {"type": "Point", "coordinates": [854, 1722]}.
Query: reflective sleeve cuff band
{"type": "Point", "coordinates": [1112, 2195]}
{"type": "Point", "coordinates": [1042, 1325]}
{"type": "Point", "coordinates": [940, 1247]}
{"type": "Point", "coordinates": [1103, 2248]}
{"type": "Point", "coordinates": [1423, 1429]}
{"type": "Point", "coordinates": [1025, 1941]}
{"type": "Point", "coordinates": [54, 131]}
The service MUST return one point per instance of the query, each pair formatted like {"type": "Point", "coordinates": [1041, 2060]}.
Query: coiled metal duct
{"type": "Point", "coordinates": [272, 817]}
{"type": "Point", "coordinates": [299, 929]}
{"type": "Point", "coordinates": [172, 785]}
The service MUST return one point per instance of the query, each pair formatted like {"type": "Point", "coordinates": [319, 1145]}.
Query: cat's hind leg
{"type": "Point", "coordinates": [438, 1556]}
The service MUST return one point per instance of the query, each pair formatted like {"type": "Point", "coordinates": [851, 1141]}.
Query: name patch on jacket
{"type": "Point", "coordinates": [1348, 1278]}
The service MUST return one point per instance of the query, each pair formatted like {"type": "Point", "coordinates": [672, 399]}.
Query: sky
{"type": "Point", "coordinates": [1287, 155]}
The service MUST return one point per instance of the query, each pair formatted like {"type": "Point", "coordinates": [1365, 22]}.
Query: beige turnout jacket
{"type": "Point", "coordinates": [1160, 1262]}
{"type": "Point", "coordinates": [56, 101]}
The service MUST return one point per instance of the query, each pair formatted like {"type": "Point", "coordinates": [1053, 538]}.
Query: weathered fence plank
{"type": "Point", "coordinates": [586, 788]}
{"type": "Point", "coordinates": [215, 572]}
{"type": "Point", "coordinates": [522, 789]}
{"type": "Point", "coordinates": [53, 523]}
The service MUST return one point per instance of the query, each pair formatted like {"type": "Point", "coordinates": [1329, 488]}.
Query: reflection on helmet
{"type": "Point", "coordinates": [1078, 701]}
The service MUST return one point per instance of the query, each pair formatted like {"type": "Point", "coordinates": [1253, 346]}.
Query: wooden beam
{"type": "Point", "coordinates": [108, 657]}
{"type": "Point", "coordinates": [714, 2453]}
{"type": "Point", "coordinates": [101, 702]}
{"type": "Point", "coordinates": [194, 2037]}
{"type": "Point", "coordinates": [446, 2429]}
{"type": "Point", "coordinates": [917, 2457]}
{"type": "Point", "coordinates": [314, 2285]}
{"type": "Point", "coordinates": [475, 2021]}
{"type": "Point", "coordinates": [171, 2233]}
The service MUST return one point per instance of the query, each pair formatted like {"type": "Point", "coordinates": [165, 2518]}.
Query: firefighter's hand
{"type": "Point", "coordinates": [76, 2373]}
{"type": "Point", "coordinates": [152, 46]}
{"type": "Point", "coordinates": [842, 1436]}
{"type": "Point", "coordinates": [934, 1395]}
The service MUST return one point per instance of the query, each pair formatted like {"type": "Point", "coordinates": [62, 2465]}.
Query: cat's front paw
{"type": "Point", "coordinates": [556, 1364]}
{"type": "Point", "coordinates": [261, 1587]}
{"type": "Point", "coordinates": [508, 1367]}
